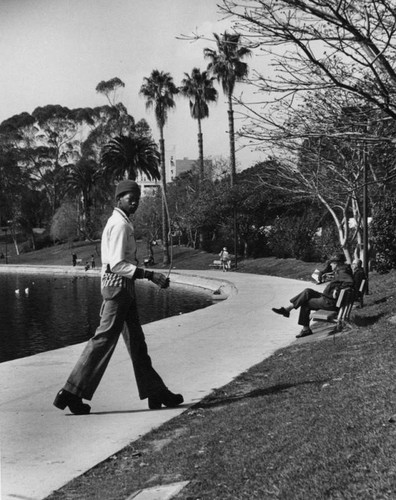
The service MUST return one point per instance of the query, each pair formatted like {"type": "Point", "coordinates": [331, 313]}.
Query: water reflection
{"type": "Point", "coordinates": [60, 311]}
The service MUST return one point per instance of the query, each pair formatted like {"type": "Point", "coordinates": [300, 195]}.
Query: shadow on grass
{"type": "Point", "coordinates": [216, 401]}
{"type": "Point", "coordinates": [365, 319]}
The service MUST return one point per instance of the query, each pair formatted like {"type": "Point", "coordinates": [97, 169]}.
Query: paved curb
{"type": "Point", "coordinates": [195, 353]}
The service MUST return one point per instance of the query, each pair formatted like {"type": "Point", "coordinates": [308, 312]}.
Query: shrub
{"type": "Point", "coordinates": [327, 243]}
{"type": "Point", "coordinates": [25, 247]}
{"type": "Point", "coordinates": [293, 237]}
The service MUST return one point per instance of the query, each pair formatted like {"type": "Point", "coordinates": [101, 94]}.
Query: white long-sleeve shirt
{"type": "Point", "coordinates": [118, 248]}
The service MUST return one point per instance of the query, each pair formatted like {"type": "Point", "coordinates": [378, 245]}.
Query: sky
{"type": "Point", "coordinates": [57, 51]}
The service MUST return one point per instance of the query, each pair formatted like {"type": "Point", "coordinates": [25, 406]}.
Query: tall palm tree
{"type": "Point", "coordinates": [159, 91]}
{"type": "Point", "coordinates": [198, 88]}
{"type": "Point", "coordinates": [125, 156]}
{"type": "Point", "coordinates": [226, 65]}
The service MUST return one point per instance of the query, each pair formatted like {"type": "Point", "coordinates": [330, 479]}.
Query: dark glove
{"type": "Point", "coordinates": [160, 280]}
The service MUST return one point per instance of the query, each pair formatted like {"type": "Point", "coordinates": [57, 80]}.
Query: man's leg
{"type": "Point", "coordinates": [147, 379]}
{"type": "Point", "coordinates": [90, 367]}
{"type": "Point", "coordinates": [150, 384]}
{"type": "Point", "coordinates": [313, 303]}
{"type": "Point", "coordinates": [301, 301]}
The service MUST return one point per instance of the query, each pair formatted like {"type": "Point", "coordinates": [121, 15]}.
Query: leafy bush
{"type": "Point", "coordinates": [327, 243]}
{"type": "Point", "coordinates": [25, 247]}
{"type": "Point", "coordinates": [43, 241]}
{"type": "Point", "coordinates": [383, 235]}
{"type": "Point", "coordinates": [64, 226]}
{"type": "Point", "coordinates": [293, 237]}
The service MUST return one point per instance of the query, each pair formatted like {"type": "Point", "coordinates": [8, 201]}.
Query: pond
{"type": "Point", "coordinates": [50, 312]}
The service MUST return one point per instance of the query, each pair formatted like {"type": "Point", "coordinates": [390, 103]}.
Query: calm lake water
{"type": "Point", "coordinates": [59, 311]}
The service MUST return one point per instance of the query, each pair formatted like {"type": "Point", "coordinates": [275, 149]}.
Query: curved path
{"type": "Point", "coordinates": [42, 448]}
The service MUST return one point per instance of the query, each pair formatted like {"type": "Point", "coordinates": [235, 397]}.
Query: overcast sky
{"type": "Point", "coordinates": [57, 51]}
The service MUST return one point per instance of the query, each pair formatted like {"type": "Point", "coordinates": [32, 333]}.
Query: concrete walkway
{"type": "Point", "coordinates": [43, 448]}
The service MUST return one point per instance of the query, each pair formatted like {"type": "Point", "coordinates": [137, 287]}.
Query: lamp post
{"type": "Point", "coordinates": [365, 216]}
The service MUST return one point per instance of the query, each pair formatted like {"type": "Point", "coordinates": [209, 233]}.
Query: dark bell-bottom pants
{"type": "Point", "coordinates": [311, 300]}
{"type": "Point", "coordinates": [118, 315]}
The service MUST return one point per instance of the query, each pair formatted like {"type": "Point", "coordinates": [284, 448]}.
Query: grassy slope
{"type": "Point", "coordinates": [310, 422]}
{"type": "Point", "coordinates": [183, 258]}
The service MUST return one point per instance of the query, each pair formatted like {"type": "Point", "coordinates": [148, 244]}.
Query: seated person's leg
{"type": "Point", "coordinates": [297, 301]}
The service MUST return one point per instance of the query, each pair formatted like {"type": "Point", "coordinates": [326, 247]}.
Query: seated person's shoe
{"type": "Point", "coordinates": [282, 311]}
{"type": "Point", "coordinates": [75, 404]}
{"type": "Point", "coordinates": [304, 333]}
{"type": "Point", "coordinates": [166, 398]}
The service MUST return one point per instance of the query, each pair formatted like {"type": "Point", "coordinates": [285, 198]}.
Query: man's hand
{"type": "Point", "coordinates": [160, 280]}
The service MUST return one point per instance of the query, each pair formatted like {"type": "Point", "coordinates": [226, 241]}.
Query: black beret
{"type": "Point", "coordinates": [126, 186]}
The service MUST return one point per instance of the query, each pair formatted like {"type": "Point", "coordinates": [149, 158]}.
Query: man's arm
{"type": "Point", "coordinates": [158, 279]}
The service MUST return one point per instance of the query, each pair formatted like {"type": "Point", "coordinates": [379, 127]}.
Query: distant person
{"type": "Point", "coordinates": [224, 259]}
{"type": "Point", "coordinates": [93, 265]}
{"type": "Point", "coordinates": [86, 265]}
{"type": "Point", "coordinates": [74, 259]}
{"type": "Point", "coordinates": [118, 314]}
{"type": "Point", "coordinates": [311, 300]}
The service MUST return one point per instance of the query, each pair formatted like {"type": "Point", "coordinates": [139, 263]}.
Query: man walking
{"type": "Point", "coordinates": [118, 314]}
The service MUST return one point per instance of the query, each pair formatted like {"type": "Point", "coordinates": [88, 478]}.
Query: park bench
{"type": "Point", "coordinates": [359, 296]}
{"type": "Point", "coordinates": [216, 264]}
{"type": "Point", "coordinates": [342, 311]}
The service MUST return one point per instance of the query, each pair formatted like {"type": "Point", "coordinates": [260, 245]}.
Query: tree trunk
{"type": "Point", "coordinates": [165, 224]}
{"type": "Point", "coordinates": [232, 139]}
{"type": "Point", "coordinates": [14, 239]}
{"type": "Point", "coordinates": [202, 235]}
{"type": "Point", "coordinates": [233, 172]}
{"type": "Point", "coordinates": [342, 225]}
{"type": "Point", "coordinates": [200, 149]}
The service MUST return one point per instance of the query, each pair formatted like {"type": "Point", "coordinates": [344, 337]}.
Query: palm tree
{"type": "Point", "coordinates": [227, 67]}
{"type": "Point", "coordinates": [81, 179]}
{"type": "Point", "coordinates": [159, 91]}
{"type": "Point", "coordinates": [198, 88]}
{"type": "Point", "coordinates": [125, 156]}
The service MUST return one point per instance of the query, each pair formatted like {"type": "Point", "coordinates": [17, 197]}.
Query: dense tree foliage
{"type": "Point", "coordinates": [325, 115]}
{"type": "Point", "coordinates": [52, 158]}
{"type": "Point", "coordinates": [383, 231]}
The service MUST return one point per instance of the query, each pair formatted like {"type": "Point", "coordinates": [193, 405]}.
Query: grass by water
{"type": "Point", "coordinates": [312, 421]}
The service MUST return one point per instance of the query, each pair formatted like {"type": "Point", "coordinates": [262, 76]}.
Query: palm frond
{"type": "Point", "coordinates": [131, 155]}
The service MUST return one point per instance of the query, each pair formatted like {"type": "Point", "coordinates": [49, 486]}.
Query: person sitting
{"type": "Point", "coordinates": [309, 299]}
{"type": "Point", "coordinates": [326, 274]}
{"type": "Point", "coordinates": [358, 276]}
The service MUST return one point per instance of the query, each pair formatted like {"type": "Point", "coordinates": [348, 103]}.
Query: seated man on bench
{"type": "Point", "coordinates": [309, 299]}
{"type": "Point", "coordinates": [359, 276]}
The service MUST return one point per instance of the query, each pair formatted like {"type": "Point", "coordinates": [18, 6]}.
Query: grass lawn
{"type": "Point", "coordinates": [313, 421]}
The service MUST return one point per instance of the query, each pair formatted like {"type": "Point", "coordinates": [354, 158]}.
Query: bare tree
{"type": "Point", "coordinates": [322, 55]}
{"type": "Point", "coordinates": [323, 44]}
{"type": "Point", "coordinates": [325, 150]}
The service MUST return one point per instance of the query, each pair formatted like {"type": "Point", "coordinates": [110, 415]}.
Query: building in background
{"type": "Point", "coordinates": [147, 186]}
{"type": "Point", "coordinates": [173, 168]}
